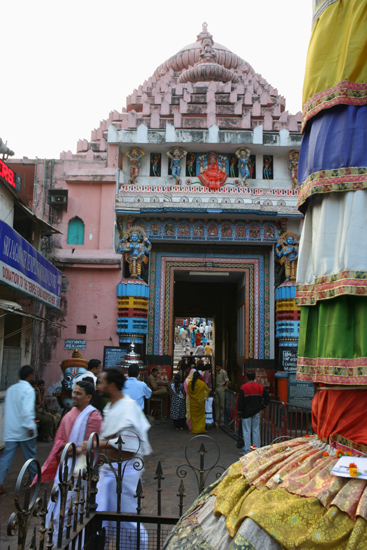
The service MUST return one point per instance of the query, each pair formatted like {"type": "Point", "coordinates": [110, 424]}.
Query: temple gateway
{"type": "Point", "coordinates": [181, 205]}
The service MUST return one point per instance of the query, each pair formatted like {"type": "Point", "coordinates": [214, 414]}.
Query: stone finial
{"type": "Point", "coordinates": [207, 69]}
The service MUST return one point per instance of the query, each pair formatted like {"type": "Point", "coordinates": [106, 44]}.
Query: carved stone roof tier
{"type": "Point", "coordinates": [204, 84]}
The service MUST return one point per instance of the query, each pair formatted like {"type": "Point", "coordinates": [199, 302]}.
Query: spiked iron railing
{"type": "Point", "coordinates": [71, 519]}
{"type": "Point", "coordinates": [201, 473]}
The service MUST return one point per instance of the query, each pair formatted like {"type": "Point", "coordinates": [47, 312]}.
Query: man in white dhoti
{"type": "Point", "coordinates": [122, 417]}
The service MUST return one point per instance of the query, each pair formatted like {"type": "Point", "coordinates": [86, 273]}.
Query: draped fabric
{"type": "Point", "coordinates": [340, 412]}
{"type": "Point", "coordinates": [333, 156]}
{"type": "Point", "coordinates": [287, 490]}
{"type": "Point", "coordinates": [197, 405]}
{"type": "Point", "coordinates": [332, 266]}
{"type": "Point", "coordinates": [336, 69]}
{"type": "Point", "coordinates": [332, 346]}
{"type": "Point", "coordinates": [188, 404]}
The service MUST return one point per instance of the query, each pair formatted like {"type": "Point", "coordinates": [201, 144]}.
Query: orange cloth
{"type": "Point", "coordinates": [340, 412]}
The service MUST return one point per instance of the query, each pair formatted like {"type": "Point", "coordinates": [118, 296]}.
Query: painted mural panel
{"type": "Point", "coordinates": [191, 165]}
{"type": "Point", "coordinates": [268, 169]}
{"type": "Point", "coordinates": [155, 164]}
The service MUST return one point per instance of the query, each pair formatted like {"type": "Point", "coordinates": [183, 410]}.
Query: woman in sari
{"type": "Point", "coordinates": [199, 393]}
{"type": "Point", "coordinates": [186, 383]}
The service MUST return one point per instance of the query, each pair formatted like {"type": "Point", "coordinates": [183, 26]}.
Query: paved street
{"type": "Point", "coordinates": [168, 447]}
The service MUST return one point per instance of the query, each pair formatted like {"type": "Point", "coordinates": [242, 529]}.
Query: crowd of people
{"type": "Point", "coordinates": [194, 332]}
{"type": "Point", "coordinates": [108, 403]}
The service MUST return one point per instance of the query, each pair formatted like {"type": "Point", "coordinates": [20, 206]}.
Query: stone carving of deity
{"type": "Point", "coordinates": [287, 252]}
{"type": "Point", "coordinates": [293, 167]}
{"type": "Point", "coordinates": [243, 155]}
{"type": "Point", "coordinates": [226, 231]}
{"type": "Point", "coordinates": [135, 247]}
{"type": "Point", "coordinates": [212, 231]}
{"type": "Point", "coordinates": [254, 232]}
{"type": "Point", "coordinates": [198, 231]}
{"type": "Point", "coordinates": [269, 232]}
{"type": "Point", "coordinates": [213, 174]}
{"type": "Point", "coordinates": [71, 370]}
{"type": "Point", "coordinates": [176, 154]}
{"type": "Point", "coordinates": [190, 165]}
{"type": "Point", "coordinates": [267, 169]}
{"type": "Point", "coordinates": [134, 155]}
{"type": "Point", "coordinates": [240, 231]}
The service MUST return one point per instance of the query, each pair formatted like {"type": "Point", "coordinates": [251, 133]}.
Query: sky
{"type": "Point", "coordinates": [67, 64]}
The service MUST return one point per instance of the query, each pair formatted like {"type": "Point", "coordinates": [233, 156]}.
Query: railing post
{"type": "Point", "coordinates": [43, 514]}
{"type": "Point", "coordinates": [20, 520]}
{"type": "Point", "coordinates": [139, 495]}
{"type": "Point", "coordinates": [202, 452]}
{"type": "Point", "coordinates": [181, 494]}
{"type": "Point", "coordinates": [159, 476]}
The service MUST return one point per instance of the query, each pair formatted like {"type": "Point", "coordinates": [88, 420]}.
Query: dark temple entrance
{"type": "Point", "coordinates": [211, 297]}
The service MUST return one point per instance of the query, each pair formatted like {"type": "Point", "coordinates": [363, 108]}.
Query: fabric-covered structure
{"type": "Point", "coordinates": [284, 495]}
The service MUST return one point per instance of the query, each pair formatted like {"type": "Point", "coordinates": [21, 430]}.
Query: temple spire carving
{"type": "Point", "coordinates": [207, 69]}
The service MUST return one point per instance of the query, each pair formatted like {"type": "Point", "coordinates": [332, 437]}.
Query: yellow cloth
{"type": "Point", "coordinates": [293, 521]}
{"type": "Point", "coordinates": [340, 29]}
{"type": "Point", "coordinates": [197, 405]}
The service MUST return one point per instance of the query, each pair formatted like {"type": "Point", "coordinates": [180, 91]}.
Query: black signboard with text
{"type": "Point", "coordinates": [113, 356]}
{"type": "Point", "coordinates": [300, 393]}
{"type": "Point", "coordinates": [289, 359]}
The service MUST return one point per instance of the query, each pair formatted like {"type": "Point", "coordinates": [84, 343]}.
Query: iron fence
{"type": "Point", "coordinates": [78, 524]}
{"type": "Point", "coordinates": [284, 421]}
{"type": "Point", "coordinates": [278, 420]}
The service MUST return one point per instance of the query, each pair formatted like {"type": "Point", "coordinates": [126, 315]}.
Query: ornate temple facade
{"type": "Point", "coordinates": [203, 160]}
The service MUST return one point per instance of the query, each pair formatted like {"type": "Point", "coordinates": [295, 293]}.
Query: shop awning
{"type": "Point", "coordinates": [13, 307]}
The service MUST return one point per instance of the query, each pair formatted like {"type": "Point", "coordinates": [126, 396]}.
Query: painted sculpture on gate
{"type": "Point", "coordinates": [176, 154]}
{"type": "Point", "coordinates": [293, 167]}
{"type": "Point", "coordinates": [134, 155]}
{"type": "Point", "coordinates": [71, 370]}
{"type": "Point", "coordinates": [287, 252]}
{"type": "Point", "coordinates": [243, 155]}
{"type": "Point", "coordinates": [135, 247]}
{"type": "Point", "coordinates": [212, 171]}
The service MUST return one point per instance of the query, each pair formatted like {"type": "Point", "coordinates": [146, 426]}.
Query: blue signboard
{"type": "Point", "coordinates": [25, 269]}
{"type": "Point", "coordinates": [71, 343]}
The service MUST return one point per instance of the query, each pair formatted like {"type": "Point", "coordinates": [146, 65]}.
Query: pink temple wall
{"type": "Point", "coordinates": [93, 270]}
{"type": "Point", "coordinates": [90, 301]}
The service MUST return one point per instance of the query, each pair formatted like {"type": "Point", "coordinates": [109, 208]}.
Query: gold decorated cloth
{"type": "Point", "coordinates": [267, 486]}
{"type": "Point", "coordinates": [278, 497]}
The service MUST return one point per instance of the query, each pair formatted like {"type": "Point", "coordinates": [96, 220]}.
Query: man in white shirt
{"type": "Point", "coordinates": [200, 350]}
{"type": "Point", "coordinates": [121, 417]}
{"type": "Point", "coordinates": [136, 389]}
{"type": "Point", "coordinates": [94, 368]}
{"type": "Point", "coordinates": [19, 423]}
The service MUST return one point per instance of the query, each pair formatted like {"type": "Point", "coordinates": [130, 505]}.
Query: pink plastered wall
{"type": "Point", "coordinates": [90, 300]}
